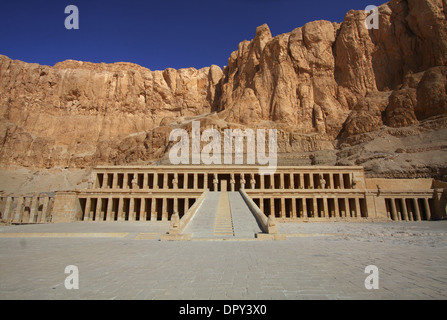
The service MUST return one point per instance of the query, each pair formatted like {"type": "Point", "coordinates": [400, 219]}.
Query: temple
{"type": "Point", "coordinates": [292, 193]}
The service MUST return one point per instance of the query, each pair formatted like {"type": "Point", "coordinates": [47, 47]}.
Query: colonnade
{"type": "Point", "coordinates": [235, 181]}
{"type": "Point", "coordinates": [26, 209]}
{"type": "Point", "coordinates": [304, 207]}
{"type": "Point", "coordinates": [130, 208]}
{"type": "Point", "coordinates": [408, 209]}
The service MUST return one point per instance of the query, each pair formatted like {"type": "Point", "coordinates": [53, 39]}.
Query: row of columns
{"type": "Point", "coordinates": [305, 207]}
{"type": "Point", "coordinates": [336, 181]}
{"type": "Point", "coordinates": [96, 213]}
{"type": "Point", "coordinates": [135, 181]}
{"type": "Point", "coordinates": [404, 214]}
{"type": "Point", "coordinates": [342, 207]}
{"type": "Point", "coordinates": [26, 209]}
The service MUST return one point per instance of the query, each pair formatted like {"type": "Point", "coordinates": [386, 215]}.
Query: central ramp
{"type": "Point", "coordinates": [223, 215]}
{"type": "Point", "coordinates": [244, 222]}
{"type": "Point", "coordinates": [202, 225]}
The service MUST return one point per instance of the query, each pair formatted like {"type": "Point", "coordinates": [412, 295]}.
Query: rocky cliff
{"type": "Point", "coordinates": [337, 93]}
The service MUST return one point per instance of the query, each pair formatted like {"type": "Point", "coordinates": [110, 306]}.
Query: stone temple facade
{"type": "Point", "coordinates": [292, 193]}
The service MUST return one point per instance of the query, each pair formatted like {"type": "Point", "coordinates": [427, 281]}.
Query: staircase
{"type": "Point", "coordinates": [223, 215]}
{"type": "Point", "coordinates": [223, 223]}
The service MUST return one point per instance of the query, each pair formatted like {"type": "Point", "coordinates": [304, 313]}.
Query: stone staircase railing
{"type": "Point", "coordinates": [178, 225]}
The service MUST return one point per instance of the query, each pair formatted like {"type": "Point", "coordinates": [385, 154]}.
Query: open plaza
{"type": "Point", "coordinates": [321, 260]}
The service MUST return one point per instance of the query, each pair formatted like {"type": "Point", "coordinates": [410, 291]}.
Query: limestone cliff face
{"type": "Point", "coordinates": [324, 86]}
{"type": "Point", "coordinates": [77, 113]}
{"type": "Point", "coordinates": [314, 76]}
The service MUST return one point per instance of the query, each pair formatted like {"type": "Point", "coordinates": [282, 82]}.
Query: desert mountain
{"type": "Point", "coordinates": [337, 93]}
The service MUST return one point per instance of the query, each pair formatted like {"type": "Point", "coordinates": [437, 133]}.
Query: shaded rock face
{"type": "Point", "coordinates": [324, 86]}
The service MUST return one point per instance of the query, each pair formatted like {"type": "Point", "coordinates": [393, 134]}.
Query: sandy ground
{"type": "Point", "coordinates": [427, 234]}
{"type": "Point", "coordinates": [419, 233]}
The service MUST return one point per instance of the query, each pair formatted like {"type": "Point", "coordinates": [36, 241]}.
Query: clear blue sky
{"type": "Point", "coordinates": [154, 34]}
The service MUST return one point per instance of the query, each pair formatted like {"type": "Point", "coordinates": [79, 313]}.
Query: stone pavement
{"type": "Point", "coordinates": [317, 261]}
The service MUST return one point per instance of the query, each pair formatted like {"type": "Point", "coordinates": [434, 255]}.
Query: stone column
{"type": "Point", "coordinates": [115, 180]}
{"type": "Point", "coordinates": [272, 206]}
{"type": "Point", "coordinates": [311, 181]}
{"type": "Point", "coordinates": [195, 181]}
{"type": "Point", "coordinates": [348, 208]}
{"type": "Point", "coordinates": [416, 209]}
{"type": "Point", "coordinates": [33, 209]}
{"type": "Point", "coordinates": [46, 205]}
{"type": "Point", "coordinates": [325, 208]}
{"type": "Point", "coordinates": [358, 211]}
{"type": "Point", "coordinates": [215, 182]}
{"type": "Point", "coordinates": [261, 204]}
{"type": "Point", "coordinates": [351, 179]}
{"type": "Point", "coordinates": [126, 181]}
{"type": "Point", "coordinates": [98, 215]}
{"type": "Point", "coordinates": [304, 208]}
{"type": "Point", "coordinates": [18, 210]}
{"type": "Point", "coordinates": [232, 181]}
{"type": "Point", "coordinates": [155, 180]}
{"type": "Point", "coordinates": [143, 210]}
{"type": "Point", "coordinates": [186, 180]}
{"type": "Point", "coordinates": [120, 208]}
{"type": "Point", "coordinates": [164, 212]}
{"type": "Point", "coordinates": [393, 210]}
{"type": "Point", "coordinates": [404, 210]}
{"type": "Point", "coordinates": [205, 181]}
{"type": "Point", "coordinates": [132, 209]}
{"type": "Point", "coordinates": [427, 208]}
{"type": "Point", "coordinates": [109, 216]}
{"type": "Point", "coordinates": [438, 209]}
{"type": "Point", "coordinates": [145, 180]}
{"type": "Point", "coordinates": [293, 215]}
{"type": "Point", "coordinates": [8, 205]}
{"type": "Point", "coordinates": [272, 182]}
{"type": "Point", "coordinates": [336, 208]}
{"type": "Point", "coordinates": [315, 205]}
{"type": "Point", "coordinates": [410, 212]}
{"type": "Point", "coordinates": [348, 211]}
{"type": "Point", "coordinates": [88, 204]}
{"type": "Point", "coordinates": [40, 213]}
{"type": "Point", "coordinates": [153, 208]}
{"type": "Point", "coordinates": [242, 181]}
{"type": "Point", "coordinates": [301, 181]}
{"type": "Point", "coordinates": [283, 208]}
{"type": "Point", "coordinates": [281, 180]}
{"type": "Point", "coordinates": [165, 181]}
{"type": "Point", "coordinates": [262, 181]}
{"type": "Point", "coordinates": [176, 205]}
{"type": "Point", "coordinates": [175, 181]}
